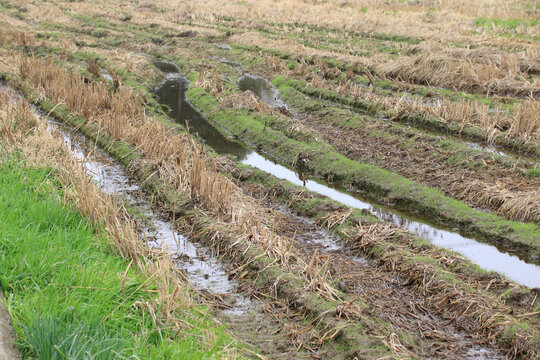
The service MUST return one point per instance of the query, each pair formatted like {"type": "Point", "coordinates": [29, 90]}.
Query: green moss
{"type": "Point", "coordinates": [533, 173]}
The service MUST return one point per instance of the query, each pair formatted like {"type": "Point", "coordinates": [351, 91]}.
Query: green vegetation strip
{"type": "Point", "coordinates": [68, 294]}
{"type": "Point", "coordinates": [323, 161]}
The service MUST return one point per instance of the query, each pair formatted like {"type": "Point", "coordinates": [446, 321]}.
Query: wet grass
{"type": "Point", "coordinates": [68, 294]}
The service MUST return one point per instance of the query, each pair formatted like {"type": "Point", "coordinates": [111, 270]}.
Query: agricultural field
{"type": "Point", "coordinates": [256, 179]}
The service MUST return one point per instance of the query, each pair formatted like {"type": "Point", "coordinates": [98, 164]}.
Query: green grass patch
{"type": "Point", "coordinates": [68, 294]}
{"type": "Point", "coordinates": [504, 23]}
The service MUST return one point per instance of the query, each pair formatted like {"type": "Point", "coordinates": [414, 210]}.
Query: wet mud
{"type": "Point", "coordinates": [431, 331]}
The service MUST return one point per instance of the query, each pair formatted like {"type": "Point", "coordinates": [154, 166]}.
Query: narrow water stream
{"type": "Point", "coordinates": [172, 93]}
{"type": "Point", "coordinates": [202, 268]}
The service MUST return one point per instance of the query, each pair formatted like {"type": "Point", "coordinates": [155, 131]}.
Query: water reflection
{"type": "Point", "coordinates": [171, 92]}
{"type": "Point", "coordinates": [262, 88]}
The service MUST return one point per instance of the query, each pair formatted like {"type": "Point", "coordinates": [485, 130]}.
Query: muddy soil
{"type": "Point", "coordinates": [431, 332]}
{"type": "Point", "coordinates": [8, 349]}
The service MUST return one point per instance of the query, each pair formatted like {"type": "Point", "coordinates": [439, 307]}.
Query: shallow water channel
{"type": "Point", "coordinates": [203, 269]}
{"type": "Point", "coordinates": [172, 93]}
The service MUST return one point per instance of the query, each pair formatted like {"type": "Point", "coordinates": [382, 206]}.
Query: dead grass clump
{"type": "Point", "coordinates": [246, 100]}
{"type": "Point", "coordinates": [517, 205]}
{"type": "Point", "coordinates": [69, 88]}
{"type": "Point", "coordinates": [526, 120]}
{"type": "Point", "coordinates": [18, 120]}
{"type": "Point", "coordinates": [210, 81]}
{"type": "Point", "coordinates": [275, 63]}
{"type": "Point", "coordinates": [318, 275]}
{"type": "Point", "coordinates": [525, 62]}
{"type": "Point", "coordinates": [93, 68]}
{"type": "Point", "coordinates": [15, 37]}
{"type": "Point", "coordinates": [457, 73]}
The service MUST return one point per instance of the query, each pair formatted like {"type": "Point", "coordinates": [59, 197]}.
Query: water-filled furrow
{"type": "Point", "coordinates": [172, 93]}
{"type": "Point", "coordinates": [262, 88]}
{"type": "Point", "coordinates": [203, 269]}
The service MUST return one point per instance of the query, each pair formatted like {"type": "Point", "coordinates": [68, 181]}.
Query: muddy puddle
{"type": "Point", "coordinates": [262, 88]}
{"type": "Point", "coordinates": [202, 267]}
{"type": "Point", "coordinates": [171, 92]}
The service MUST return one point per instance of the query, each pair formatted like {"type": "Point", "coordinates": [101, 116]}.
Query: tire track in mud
{"type": "Point", "coordinates": [259, 85]}
{"type": "Point", "coordinates": [244, 317]}
{"type": "Point", "coordinates": [391, 339]}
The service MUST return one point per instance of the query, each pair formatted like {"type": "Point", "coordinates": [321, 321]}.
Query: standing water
{"type": "Point", "coordinates": [172, 92]}
{"type": "Point", "coordinates": [486, 256]}
{"type": "Point", "coordinates": [202, 267]}
{"type": "Point", "coordinates": [262, 88]}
